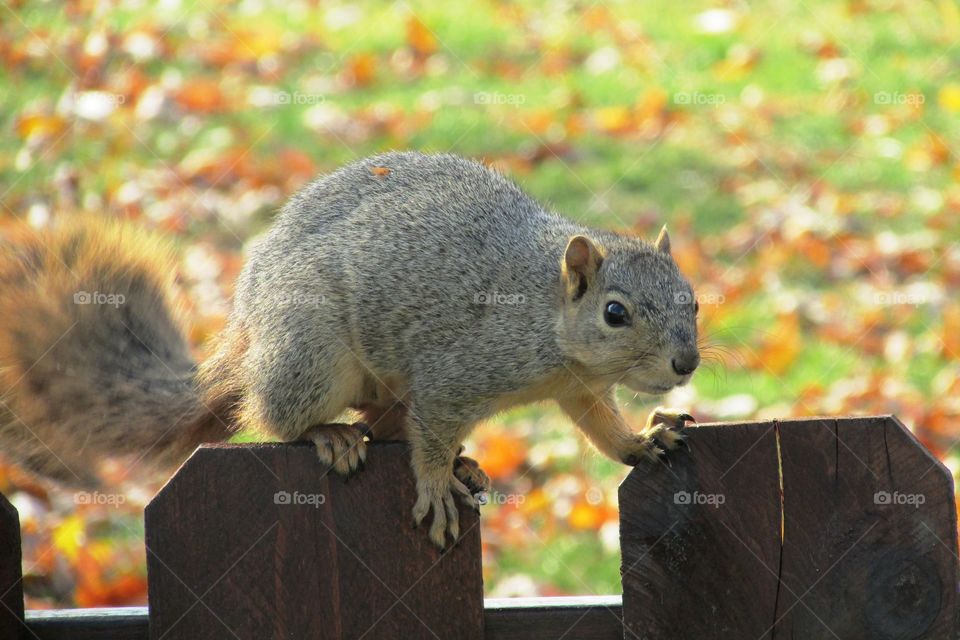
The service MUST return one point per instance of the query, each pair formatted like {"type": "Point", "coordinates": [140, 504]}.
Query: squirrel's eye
{"type": "Point", "coordinates": [696, 307]}
{"type": "Point", "coordinates": [615, 314]}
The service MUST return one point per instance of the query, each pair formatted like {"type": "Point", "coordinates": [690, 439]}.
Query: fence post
{"type": "Point", "coordinates": [11, 572]}
{"type": "Point", "coordinates": [258, 541]}
{"type": "Point", "coordinates": [815, 528]}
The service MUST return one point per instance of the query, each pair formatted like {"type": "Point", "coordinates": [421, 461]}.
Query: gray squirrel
{"type": "Point", "coordinates": [427, 292]}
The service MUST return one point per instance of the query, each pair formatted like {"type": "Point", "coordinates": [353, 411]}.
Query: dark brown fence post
{"type": "Point", "coordinates": [861, 542]}
{"type": "Point", "coordinates": [257, 541]}
{"type": "Point", "coordinates": [11, 572]}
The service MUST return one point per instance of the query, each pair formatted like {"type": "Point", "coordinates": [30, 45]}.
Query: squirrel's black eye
{"type": "Point", "coordinates": [615, 314]}
{"type": "Point", "coordinates": [696, 307]}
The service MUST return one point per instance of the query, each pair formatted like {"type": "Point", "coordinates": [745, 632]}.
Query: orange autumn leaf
{"type": "Point", "coordinates": [951, 332]}
{"type": "Point", "coordinates": [380, 172]}
{"type": "Point", "coordinates": [538, 121]}
{"type": "Point", "coordinates": [39, 125]}
{"type": "Point", "coordinates": [780, 346]}
{"type": "Point", "coordinates": [420, 38]}
{"type": "Point", "coordinates": [652, 105]}
{"type": "Point", "coordinates": [585, 516]}
{"type": "Point", "coordinates": [596, 18]}
{"type": "Point", "coordinates": [938, 149]}
{"type": "Point", "coordinates": [297, 163]}
{"type": "Point", "coordinates": [363, 69]}
{"type": "Point", "coordinates": [201, 95]}
{"type": "Point", "coordinates": [815, 250]}
{"type": "Point", "coordinates": [536, 502]}
{"type": "Point", "coordinates": [501, 455]}
{"type": "Point", "coordinates": [123, 590]}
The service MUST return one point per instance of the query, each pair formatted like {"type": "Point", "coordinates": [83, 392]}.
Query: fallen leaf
{"type": "Point", "coordinates": [420, 38]}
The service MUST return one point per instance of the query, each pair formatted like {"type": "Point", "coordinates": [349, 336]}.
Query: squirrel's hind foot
{"type": "Point", "coordinates": [468, 471]}
{"type": "Point", "coordinates": [339, 445]}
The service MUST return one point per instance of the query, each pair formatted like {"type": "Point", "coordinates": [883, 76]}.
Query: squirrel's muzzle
{"type": "Point", "coordinates": [685, 363]}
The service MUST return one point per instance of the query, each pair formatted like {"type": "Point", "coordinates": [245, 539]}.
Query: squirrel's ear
{"type": "Point", "coordinates": [581, 261]}
{"type": "Point", "coordinates": [663, 241]}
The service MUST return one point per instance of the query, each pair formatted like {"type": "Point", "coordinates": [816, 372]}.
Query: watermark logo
{"type": "Point", "coordinates": [887, 499]}
{"type": "Point", "coordinates": [495, 297]}
{"type": "Point", "coordinates": [714, 500]}
{"type": "Point", "coordinates": [699, 99]}
{"type": "Point", "coordinates": [296, 299]}
{"type": "Point", "coordinates": [97, 297]}
{"type": "Point", "coordinates": [296, 97]}
{"type": "Point", "coordinates": [897, 98]}
{"type": "Point", "coordinates": [896, 298]}
{"type": "Point", "coordinates": [299, 499]}
{"type": "Point", "coordinates": [683, 298]}
{"type": "Point", "coordinates": [495, 97]}
{"type": "Point", "coordinates": [95, 497]}
{"type": "Point", "coordinates": [496, 497]}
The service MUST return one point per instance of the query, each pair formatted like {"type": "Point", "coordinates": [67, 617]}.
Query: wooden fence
{"type": "Point", "coordinates": [816, 528]}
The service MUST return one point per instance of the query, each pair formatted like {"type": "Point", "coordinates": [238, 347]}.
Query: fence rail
{"type": "Point", "coordinates": [581, 618]}
{"type": "Point", "coordinates": [815, 528]}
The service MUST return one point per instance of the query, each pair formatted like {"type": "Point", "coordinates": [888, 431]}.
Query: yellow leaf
{"type": "Point", "coordinates": [950, 16]}
{"type": "Point", "coordinates": [950, 97]}
{"type": "Point", "coordinates": [39, 125]}
{"type": "Point", "coordinates": [614, 119]}
{"type": "Point", "coordinates": [70, 536]}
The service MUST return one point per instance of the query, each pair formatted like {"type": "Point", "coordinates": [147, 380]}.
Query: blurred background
{"type": "Point", "coordinates": [804, 154]}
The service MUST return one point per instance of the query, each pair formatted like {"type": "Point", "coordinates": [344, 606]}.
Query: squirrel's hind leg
{"type": "Point", "coordinates": [297, 394]}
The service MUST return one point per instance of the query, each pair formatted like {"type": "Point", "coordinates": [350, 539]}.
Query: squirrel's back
{"type": "Point", "coordinates": [402, 255]}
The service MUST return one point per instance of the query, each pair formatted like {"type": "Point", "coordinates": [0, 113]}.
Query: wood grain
{"type": "Point", "coordinates": [240, 544]}
{"type": "Point", "coordinates": [860, 544]}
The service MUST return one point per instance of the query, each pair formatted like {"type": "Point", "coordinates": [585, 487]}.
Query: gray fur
{"type": "Point", "coordinates": [369, 291]}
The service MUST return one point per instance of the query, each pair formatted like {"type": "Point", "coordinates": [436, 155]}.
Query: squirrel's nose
{"type": "Point", "coordinates": [685, 364]}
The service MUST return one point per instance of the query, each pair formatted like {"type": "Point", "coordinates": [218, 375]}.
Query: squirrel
{"type": "Point", "coordinates": [427, 292]}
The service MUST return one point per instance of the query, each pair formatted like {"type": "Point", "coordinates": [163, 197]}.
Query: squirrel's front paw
{"type": "Point", "coordinates": [671, 418]}
{"type": "Point", "coordinates": [340, 445]}
{"type": "Point", "coordinates": [439, 493]}
{"type": "Point", "coordinates": [663, 433]}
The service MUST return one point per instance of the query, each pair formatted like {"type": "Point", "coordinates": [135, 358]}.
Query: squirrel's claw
{"type": "Point", "coordinates": [671, 418]}
{"type": "Point", "coordinates": [340, 446]}
{"type": "Point", "coordinates": [467, 471]}
{"type": "Point", "coordinates": [440, 496]}
{"type": "Point", "coordinates": [654, 443]}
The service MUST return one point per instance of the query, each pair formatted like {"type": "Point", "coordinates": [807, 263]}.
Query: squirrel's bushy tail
{"type": "Point", "coordinates": [93, 359]}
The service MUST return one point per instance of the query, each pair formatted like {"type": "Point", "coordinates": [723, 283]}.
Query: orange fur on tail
{"type": "Point", "coordinates": [93, 360]}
